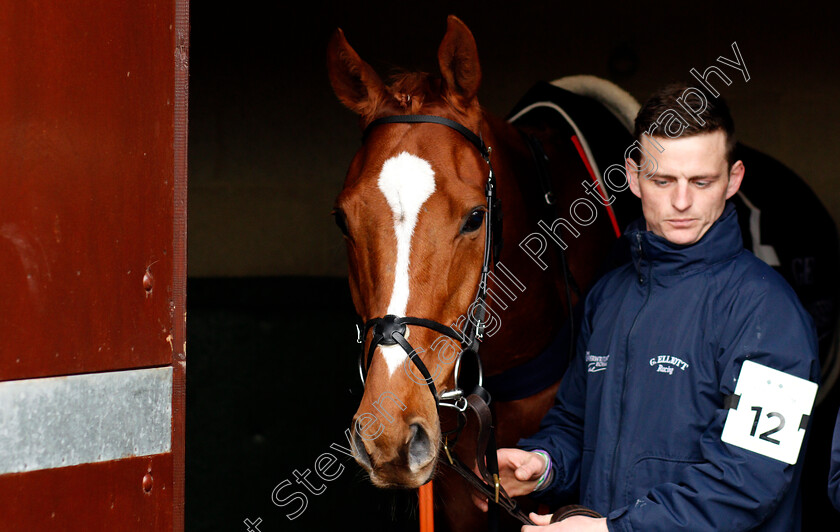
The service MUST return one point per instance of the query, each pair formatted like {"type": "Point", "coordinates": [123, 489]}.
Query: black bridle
{"type": "Point", "coordinates": [391, 330]}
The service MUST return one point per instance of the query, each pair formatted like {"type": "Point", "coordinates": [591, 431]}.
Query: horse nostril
{"type": "Point", "coordinates": [420, 450]}
{"type": "Point", "coordinates": [359, 451]}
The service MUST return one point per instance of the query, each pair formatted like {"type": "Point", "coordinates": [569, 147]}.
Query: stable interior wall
{"type": "Point", "coordinates": [270, 144]}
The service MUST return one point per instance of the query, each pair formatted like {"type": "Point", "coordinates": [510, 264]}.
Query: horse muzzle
{"type": "Point", "coordinates": [403, 458]}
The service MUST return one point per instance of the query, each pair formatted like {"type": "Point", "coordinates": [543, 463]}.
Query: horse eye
{"type": "Point", "coordinates": [473, 221]}
{"type": "Point", "coordinates": [340, 221]}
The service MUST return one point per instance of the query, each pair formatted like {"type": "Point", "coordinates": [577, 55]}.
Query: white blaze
{"type": "Point", "coordinates": [407, 182]}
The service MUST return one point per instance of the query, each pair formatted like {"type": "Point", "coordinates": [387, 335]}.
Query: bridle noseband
{"type": "Point", "coordinates": [391, 330]}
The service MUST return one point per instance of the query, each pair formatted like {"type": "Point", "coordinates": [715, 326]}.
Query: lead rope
{"type": "Point", "coordinates": [487, 463]}
{"type": "Point", "coordinates": [427, 507]}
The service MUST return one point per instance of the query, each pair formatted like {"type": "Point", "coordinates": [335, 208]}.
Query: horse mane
{"type": "Point", "coordinates": [409, 82]}
{"type": "Point", "coordinates": [409, 91]}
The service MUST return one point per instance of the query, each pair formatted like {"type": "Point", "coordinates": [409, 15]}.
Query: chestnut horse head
{"type": "Point", "coordinates": [416, 211]}
{"type": "Point", "coordinates": [414, 214]}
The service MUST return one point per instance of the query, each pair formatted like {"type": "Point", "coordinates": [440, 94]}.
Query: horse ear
{"type": "Point", "coordinates": [354, 82]}
{"type": "Point", "coordinates": [458, 59]}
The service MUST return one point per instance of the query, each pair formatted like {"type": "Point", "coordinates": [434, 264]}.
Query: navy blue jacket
{"type": "Point", "coordinates": [636, 425]}
{"type": "Point", "coordinates": [834, 471]}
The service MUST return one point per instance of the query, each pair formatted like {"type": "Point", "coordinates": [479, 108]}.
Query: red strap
{"type": "Point", "coordinates": [585, 160]}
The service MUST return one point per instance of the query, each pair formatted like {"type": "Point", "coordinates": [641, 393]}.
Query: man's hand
{"type": "Point", "coordinates": [519, 472]}
{"type": "Point", "coordinates": [578, 523]}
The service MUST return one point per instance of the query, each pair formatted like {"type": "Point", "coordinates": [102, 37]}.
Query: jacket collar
{"type": "Point", "coordinates": [721, 242]}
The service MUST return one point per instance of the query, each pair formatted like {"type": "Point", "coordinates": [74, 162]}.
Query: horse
{"type": "Point", "coordinates": [415, 211]}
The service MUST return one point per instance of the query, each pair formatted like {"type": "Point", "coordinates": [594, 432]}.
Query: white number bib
{"type": "Point", "coordinates": [770, 413]}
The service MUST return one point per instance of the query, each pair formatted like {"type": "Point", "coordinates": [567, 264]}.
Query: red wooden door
{"type": "Point", "coordinates": [93, 102]}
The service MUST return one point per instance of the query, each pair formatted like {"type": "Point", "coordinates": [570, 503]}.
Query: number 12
{"type": "Point", "coordinates": [766, 435]}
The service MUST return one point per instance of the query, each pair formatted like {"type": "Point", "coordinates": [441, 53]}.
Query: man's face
{"type": "Point", "coordinates": [689, 188]}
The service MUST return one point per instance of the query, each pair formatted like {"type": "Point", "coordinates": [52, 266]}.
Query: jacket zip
{"type": "Point", "coordinates": [626, 366]}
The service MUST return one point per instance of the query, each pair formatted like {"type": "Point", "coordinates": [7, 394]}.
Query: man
{"type": "Point", "coordinates": [640, 418]}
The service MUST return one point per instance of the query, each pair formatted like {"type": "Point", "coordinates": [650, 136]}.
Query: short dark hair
{"type": "Point", "coordinates": [715, 116]}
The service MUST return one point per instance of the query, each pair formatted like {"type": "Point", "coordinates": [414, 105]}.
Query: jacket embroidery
{"type": "Point", "coordinates": [595, 364]}
{"type": "Point", "coordinates": [667, 363]}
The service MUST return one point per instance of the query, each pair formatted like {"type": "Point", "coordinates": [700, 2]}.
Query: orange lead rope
{"type": "Point", "coordinates": [427, 507]}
